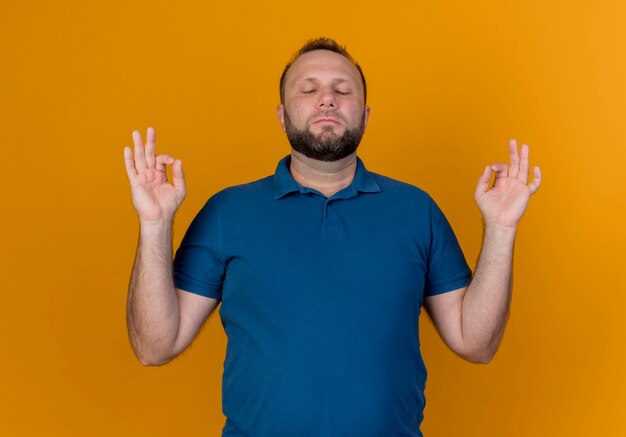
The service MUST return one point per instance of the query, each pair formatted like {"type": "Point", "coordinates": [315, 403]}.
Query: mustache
{"type": "Point", "coordinates": [329, 114]}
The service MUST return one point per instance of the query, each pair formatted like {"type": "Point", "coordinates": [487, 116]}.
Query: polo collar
{"type": "Point", "coordinates": [284, 183]}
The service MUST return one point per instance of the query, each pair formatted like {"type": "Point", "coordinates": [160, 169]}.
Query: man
{"type": "Point", "coordinates": [322, 270]}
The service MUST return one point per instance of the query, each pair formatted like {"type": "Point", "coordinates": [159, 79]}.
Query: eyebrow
{"type": "Point", "coordinates": [335, 81]}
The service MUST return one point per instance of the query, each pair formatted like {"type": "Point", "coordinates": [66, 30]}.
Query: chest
{"type": "Point", "coordinates": [328, 260]}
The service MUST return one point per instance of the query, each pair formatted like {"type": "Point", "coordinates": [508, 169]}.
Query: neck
{"type": "Point", "coordinates": [325, 177]}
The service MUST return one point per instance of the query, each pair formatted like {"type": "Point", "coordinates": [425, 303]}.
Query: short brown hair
{"type": "Point", "coordinates": [320, 44]}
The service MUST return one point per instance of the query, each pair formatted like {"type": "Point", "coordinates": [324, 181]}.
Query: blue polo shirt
{"type": "Point", "coordinates": [320, 299]}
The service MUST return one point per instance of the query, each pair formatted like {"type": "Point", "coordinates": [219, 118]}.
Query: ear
{"type": "Point", "coordinates": [367, 114]}
{"type": "Point", "coordinates": [280, 112]}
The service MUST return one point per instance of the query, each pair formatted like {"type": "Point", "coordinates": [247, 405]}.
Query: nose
{"type": "Point", "coordinates": [326, 99]}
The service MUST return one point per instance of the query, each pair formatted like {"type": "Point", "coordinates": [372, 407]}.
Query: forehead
{"type": "Point", "coordinates": [322, 64]}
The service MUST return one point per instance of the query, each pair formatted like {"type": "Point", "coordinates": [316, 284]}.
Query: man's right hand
{"type": "Point", "coordinates": [154, 198]}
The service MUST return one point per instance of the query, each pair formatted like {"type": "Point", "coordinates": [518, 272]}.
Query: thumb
{"type": "Point", "coordinates": [483, 182]}
{"type": "Point", "coordinates": [179, 177]}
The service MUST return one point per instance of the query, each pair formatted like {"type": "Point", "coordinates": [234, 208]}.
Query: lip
{"type": "Point", "coordinates": [325, 120]}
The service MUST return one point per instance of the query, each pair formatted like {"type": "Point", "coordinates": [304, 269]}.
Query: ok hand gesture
{"type": "Point", "coordinates": [154, 198]}
{"type": "Point", "coordinates": [505, 202]}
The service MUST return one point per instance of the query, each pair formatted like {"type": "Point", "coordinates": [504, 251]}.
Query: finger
{"type": "Point", "coordinates": [524, 167]}
{"type": "Point", "coordinates": [483, 182]}
{"type": "Point", "coordinates": [514, 158]}
{"type": "Point", "coordinates": [150, 147]}
{"type": "Point", "coordinates": [534, 185]}
{"type": "Point", "coordinates": [501, 169]}
{"type": "Point", "coordinates": [140, 158]}
{"type": "Point", "coordinates": [179, 177]}
{"type": "Point", "coordinates": [162, 161]}
{"type": "Point", "coordinates": [131, 172]}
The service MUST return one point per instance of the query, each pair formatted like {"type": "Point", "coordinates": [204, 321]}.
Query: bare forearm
{"type": "Point", "coordinates": [153, 310]}
{"type": "Point", "coordinates": [487, 301]}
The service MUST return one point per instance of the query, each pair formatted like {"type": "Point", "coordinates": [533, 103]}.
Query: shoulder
{"type": "Point", "coordinates": [404, 204]}
{"type": "Point", "coordinates": [399, 190]}
{"type": "Point", "coordinates": [237, 203]}
{"type": "Point", "coordinates": [237, 195]}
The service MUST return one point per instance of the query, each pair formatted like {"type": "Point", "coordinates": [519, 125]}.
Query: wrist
{"type": "Point", "coordinates": [499, 232]}
{"type": "Point", "coordinates": [155, 226]}
{"type": "Point", "coordinates": [497, 227]}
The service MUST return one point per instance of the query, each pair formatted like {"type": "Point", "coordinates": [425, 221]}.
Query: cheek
{"type": "Point", "coordinates": [356, 112]}
{"type": "Point", "coordinates": [296, 112]}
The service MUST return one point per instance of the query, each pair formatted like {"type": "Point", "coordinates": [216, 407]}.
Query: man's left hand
{"type": "Point", "coordinates": [505, 202]}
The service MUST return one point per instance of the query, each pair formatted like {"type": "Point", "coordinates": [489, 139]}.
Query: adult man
{"type": "Point", "coordinates": [321, 269]}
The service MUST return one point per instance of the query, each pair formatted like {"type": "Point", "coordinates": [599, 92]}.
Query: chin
{"type": "Point", "coordinates": [328, 131]}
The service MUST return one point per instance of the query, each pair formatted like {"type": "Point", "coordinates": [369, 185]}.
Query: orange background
{"type": "Point", "coordinates": [449, 83]}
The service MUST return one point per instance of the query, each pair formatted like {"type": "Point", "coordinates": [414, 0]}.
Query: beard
{"type": "Point", "coordinates": [327, 145]}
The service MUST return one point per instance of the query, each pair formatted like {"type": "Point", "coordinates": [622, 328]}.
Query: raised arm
{"type": "Point", "coordinates": [471, 320]}
{"type": "Point", "coordinates": [162, 320]}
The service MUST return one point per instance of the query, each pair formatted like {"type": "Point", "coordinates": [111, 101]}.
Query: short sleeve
{"type": "Point", "coordinates": [198, 267]}
{"type": "Point", "coordinates": [447, 268]}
